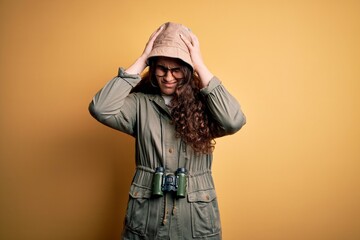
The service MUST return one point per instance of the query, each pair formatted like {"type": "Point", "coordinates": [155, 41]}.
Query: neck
{"type": "Point", "coordinates": [167, 98]}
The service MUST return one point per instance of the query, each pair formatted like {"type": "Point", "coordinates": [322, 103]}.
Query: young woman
{"type": "Point", "coordinates": [174, 111]}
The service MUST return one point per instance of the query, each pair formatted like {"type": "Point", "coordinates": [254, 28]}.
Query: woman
{"type": "Point", "coordinates": [175, 111]}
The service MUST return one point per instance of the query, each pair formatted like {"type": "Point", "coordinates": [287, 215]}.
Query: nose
{"type": "Point", "coordinates": [168, 76]}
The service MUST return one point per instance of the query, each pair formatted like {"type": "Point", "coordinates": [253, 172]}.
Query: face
{"type": "Point", "coordinates": [168, 74]}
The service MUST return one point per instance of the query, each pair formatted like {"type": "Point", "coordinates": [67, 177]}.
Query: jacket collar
{"type": "Point", "coordinates": [159, 101]}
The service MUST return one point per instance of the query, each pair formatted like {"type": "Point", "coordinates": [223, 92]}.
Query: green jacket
{"type": "Point", "coordinates": [147, 118]}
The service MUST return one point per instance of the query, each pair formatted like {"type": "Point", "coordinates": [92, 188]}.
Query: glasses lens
{"type": "Point", "coordinates": [177, 73]}
{"type": "Point", "coordinates": [160, 71]}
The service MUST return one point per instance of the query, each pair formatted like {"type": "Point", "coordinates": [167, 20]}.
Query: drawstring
{"type": "Point", "coordinates": [174, 207]}
{"type": "Point", "coordinates": [165, 211]}
{"type": "Point", "coordinates": [173, 212]}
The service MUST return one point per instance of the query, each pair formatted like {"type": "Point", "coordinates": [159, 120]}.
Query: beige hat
{"type": "Point", "coordinates": [169, 44]}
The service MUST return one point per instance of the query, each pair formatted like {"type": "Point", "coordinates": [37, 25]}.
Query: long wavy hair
{"type": "Point", "coordinates": [190, 115]}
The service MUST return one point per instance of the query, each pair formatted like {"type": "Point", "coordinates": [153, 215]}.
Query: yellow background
{"type": "Point", "coordinates": [292, 173]}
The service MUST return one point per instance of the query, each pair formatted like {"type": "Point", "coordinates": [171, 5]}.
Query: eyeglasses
{"type": "Point", "coordinates": [162, 71]}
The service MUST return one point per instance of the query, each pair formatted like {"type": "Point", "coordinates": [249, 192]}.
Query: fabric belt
{"type": "Point", "coordinates": [196, 180]}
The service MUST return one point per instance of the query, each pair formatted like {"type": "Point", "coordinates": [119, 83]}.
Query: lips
{"type": "Point", "coordinates": [169, 84]}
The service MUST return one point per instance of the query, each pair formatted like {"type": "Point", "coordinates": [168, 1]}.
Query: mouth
{"type": "Point", "coordinates": [169, 84]}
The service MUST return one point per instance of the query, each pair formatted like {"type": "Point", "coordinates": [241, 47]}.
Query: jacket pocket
{"type": "Point", "coordinates": [205, 218]}
{"type": "Point", "coordinates": [136, 219]}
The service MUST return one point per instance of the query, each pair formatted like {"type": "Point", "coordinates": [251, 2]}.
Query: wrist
{"type": "Point", "coordinates": [142, 59]}
{"type": "Point", "coordinates": [204, 74]}
{"type": "Point", "coordinates": [138, 66]}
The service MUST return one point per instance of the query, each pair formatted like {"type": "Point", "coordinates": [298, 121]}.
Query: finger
{"type": "Point", "coordinates": [194, 39]}
{"type": "Point", "coordinates": [186, 41]}
{"type": "Point", "coordinates": [157, 32]}
{"type": "Point", "coordinates": [150, 43]}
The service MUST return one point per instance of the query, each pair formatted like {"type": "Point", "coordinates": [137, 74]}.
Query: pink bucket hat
{"type": "Point", "coordinates": [169, 44]}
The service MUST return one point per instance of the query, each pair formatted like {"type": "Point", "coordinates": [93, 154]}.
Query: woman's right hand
{"type": "Point", "coordinates": [140, 64]}
{"type": "Point", "coordinates": [150, 43]}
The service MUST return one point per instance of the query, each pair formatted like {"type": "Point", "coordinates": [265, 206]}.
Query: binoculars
{"type": "Point", "coordinates": [169, 183]}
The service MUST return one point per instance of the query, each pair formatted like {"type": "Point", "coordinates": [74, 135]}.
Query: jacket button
{"type": "Point", "coordinates": [207, 197]}
{"type": "Point", "coordinates": [170, 150]}
{"type": "Point", "coordinates": [135, 194]}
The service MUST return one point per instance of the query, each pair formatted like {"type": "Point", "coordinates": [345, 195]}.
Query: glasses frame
{"type": "Point", "coordinates": [167, 69]}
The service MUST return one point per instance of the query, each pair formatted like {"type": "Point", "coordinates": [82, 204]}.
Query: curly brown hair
{"type": "Point", "coordinates": [190, 115]}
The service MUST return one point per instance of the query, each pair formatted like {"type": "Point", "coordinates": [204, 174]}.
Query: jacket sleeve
{"type": "Point", "coordinates": [114, 106]}
{"type": "Point", "coordinates": [223, 107]}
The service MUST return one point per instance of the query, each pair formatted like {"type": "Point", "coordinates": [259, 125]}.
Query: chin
{"type": "Point", "coordinates": [168, 92]}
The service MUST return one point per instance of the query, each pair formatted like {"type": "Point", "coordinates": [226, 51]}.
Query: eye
{"type": "Point", "coordinates": [175, 70]}
{"type": "Point", "coordinates": [161, 68]}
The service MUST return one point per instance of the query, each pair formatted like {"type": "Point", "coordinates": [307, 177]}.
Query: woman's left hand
{"type": "Point", "coordinates": [194, 49]}
{"type": "Point", "coordinates": [196, 58]}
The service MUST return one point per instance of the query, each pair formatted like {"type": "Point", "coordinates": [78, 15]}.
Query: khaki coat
{"type": "Point", "coordinates": [148, 120]}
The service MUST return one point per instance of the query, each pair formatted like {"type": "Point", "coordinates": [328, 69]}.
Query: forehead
{"type": "Point", "coordinates": [169, 62]}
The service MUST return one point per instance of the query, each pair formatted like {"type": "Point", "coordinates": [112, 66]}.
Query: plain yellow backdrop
{"type": "Point", "coordinates": [292, 172]}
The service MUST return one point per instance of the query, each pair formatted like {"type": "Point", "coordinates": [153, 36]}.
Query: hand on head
{"type": "Point", "coordinates": [150, 43]}
{"type": "Point", "coordinates": [194, 49]}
